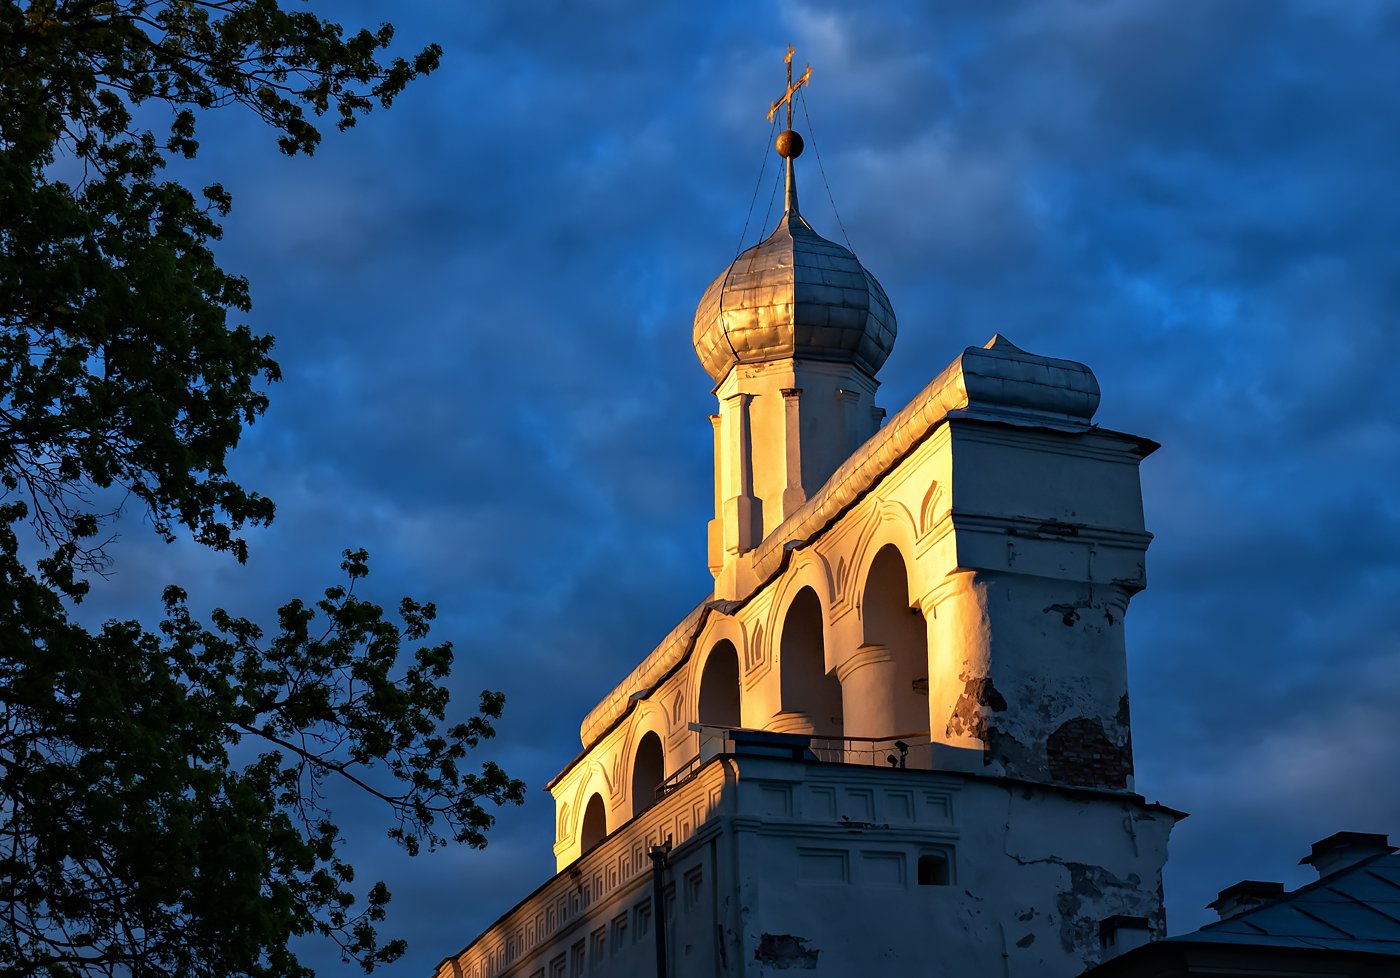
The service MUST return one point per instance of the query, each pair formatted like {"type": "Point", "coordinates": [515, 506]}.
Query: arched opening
{"type": "Point", "coordinates": [933, 869]}
{"type": "Point", "coordinates": [809, 696]}
{"type": "Point", "coordinates": [719, 687]}
{"type": "Point", "coordinates": [648, 771]}
{"type": "Point", "coordinates": [892, 622]}
{"type": "Point", "coordinates": [595, 824]}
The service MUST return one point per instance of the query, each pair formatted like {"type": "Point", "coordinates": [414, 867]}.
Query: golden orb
{"type": "Point", "coordinates": [789, 144]}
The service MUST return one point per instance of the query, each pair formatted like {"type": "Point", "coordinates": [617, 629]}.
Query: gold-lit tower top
{"type": "Point", "coordinates": [795, 296]}
{"type": "Point", "coordinates": [789, 143]}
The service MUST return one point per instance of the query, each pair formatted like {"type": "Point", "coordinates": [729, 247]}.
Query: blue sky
{"type": "Point", "coordinates": [483, 301]}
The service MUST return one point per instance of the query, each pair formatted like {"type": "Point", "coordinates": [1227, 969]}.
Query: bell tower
{"type": "Point", "coordinates": [895, 739]}
{"type": "Point", "coordinates": [793, 332]}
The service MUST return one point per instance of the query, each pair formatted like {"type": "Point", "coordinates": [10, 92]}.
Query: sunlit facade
{"type": "Point", "coordinates": [895, 739]}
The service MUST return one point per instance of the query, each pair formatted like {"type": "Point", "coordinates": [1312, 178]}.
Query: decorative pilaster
{"type": "Point", "coordinates": [715, 536]}
{"type": "Point", "coordinates": [854, 431]}
{"type": "Point", "coordinates": [793, 495]}
{"type": "Point", "coordinates": [743, 518]}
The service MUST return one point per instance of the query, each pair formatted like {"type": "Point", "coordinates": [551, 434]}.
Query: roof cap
{"type": "Point", "coordinates": [1245, 895]}
{"type": "Point", "coordinates": [1343, 849]}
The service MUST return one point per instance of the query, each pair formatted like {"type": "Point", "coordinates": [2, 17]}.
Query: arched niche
{"type": "Point", "coordinates": [595, 824]}
{"type": "Point", "coordinates": [890, 619]}
{"type": "Point", "coordinates": [810, 698]}
{"type": "Point", "coordinates": [648, 771]}
{"type": "Point", "coordinates": [718, 704]}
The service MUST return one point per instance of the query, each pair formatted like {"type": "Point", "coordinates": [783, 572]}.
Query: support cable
{"type": "Point", "coordinates": [754, 199]}
{"type": "Point", "coordinates": [812, 134]}
{"type": "Point", "coordinates": [739, 249]}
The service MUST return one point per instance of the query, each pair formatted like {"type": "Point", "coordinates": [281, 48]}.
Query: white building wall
{"type": "Point", "coordinates": [830, 856]}
{"type": "Point", "coordinates": [1018, 537]}
{"type": "Point", "coordinates": [783, 865]}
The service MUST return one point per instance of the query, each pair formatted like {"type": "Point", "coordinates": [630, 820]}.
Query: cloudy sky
{"type": "Point", "coordinates": [483, 299]}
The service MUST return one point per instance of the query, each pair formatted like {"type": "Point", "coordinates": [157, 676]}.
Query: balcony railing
{"type": "Point", "coordinates": [910, 750]}
{"type": "Point", "coordinates": [899, 751]}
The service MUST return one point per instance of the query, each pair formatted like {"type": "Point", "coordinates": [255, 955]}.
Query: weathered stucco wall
{"type": "Point", "coordinates": [784, 865]}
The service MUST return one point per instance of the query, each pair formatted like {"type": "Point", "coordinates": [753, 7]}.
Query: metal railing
{"type": "Point", "coordinates": [910, 750]}
{"type": "Point", "coordinates": [898, 751]}
{"type": "Point", "coordinates": [680, 776]}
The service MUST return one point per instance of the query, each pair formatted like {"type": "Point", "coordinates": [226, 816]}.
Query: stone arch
{"type": "Point", "coordinates": [890, 523]}
{"type": "Point", "coordinates": [649, 715]}
{"type": "Point", "coordinates": [593, 827]}
{"type": "Point", "coordinates": [895, 638]}
{"type": "Point", "coordinates": [811, 570]}
{"type": "Point", "coordinates": [597, 778]}
{"type": "Point", "coordinates": [718, 701]}
{"type": "Point", "coordinates": [718, 629]}
{"type": "Point", "coordinates": [648, 771]}
{"type": "Point", "coordinates": [809, 697]}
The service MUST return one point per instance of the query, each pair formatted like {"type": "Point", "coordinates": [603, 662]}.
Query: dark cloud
{"type": "Point", "coordinates": [483, 303]}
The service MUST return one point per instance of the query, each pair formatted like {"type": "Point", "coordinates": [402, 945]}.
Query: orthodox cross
{"type": "Point", "coordinates": [791, 89]}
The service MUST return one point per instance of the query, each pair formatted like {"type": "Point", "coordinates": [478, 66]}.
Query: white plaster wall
{"type": "Point", "coordinates": [828, 855]}
{"type": "Point", "coordinates": [783, 866]}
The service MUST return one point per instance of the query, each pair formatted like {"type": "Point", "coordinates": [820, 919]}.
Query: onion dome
{"type": "Point", "coordinates": [795, 295]}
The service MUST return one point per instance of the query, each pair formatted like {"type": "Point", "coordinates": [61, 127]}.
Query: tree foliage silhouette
{"type": "Point", "coordinates": [163, 792]}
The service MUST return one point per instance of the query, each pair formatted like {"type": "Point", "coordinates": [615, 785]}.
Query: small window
{"type": "Point", "coordinates": [694, 887]}
{"type": "Point", "coordinates": [933, 869]}
{"type": "Point", "coordinates": [619, 932]}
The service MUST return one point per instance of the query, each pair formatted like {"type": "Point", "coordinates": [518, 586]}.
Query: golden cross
{"type": "Point", "coordinates": [791, 89]}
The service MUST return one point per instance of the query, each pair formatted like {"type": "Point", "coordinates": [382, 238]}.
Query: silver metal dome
{"type": "Point", "coordinates": [794, 295]}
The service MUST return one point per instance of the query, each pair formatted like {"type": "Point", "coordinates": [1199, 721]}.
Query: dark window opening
{"type": "Point", "coordinates": [719, 688]}
{"type": "Point", "coordinates": [933, 870]}
{"type": "Point", "coordinates": [648, 772]}
{"type": "Point", "coordinates": [595, 824]}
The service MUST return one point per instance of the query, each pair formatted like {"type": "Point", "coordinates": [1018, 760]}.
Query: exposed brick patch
{"type": "Point", "coordinates": [1080, 753]}
{"type": "Point", "coordinates": [1079, 906]}
{"type": "Point", "coordinates": [784, 951]}
{"type": "Point", "coordinates": [1069, 613]}
{"type": "Point", "coordinates": [979, 697]}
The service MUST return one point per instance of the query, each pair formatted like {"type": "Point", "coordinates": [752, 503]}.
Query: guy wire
{"type": "Point", "coordinates": [812, 134]}
{"type": "Point", "coordinates": [754, 199]}
{"type": "Point", "coordinates": [777, 182]}
{"type": "Point", "coordinates": [762, 168]}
